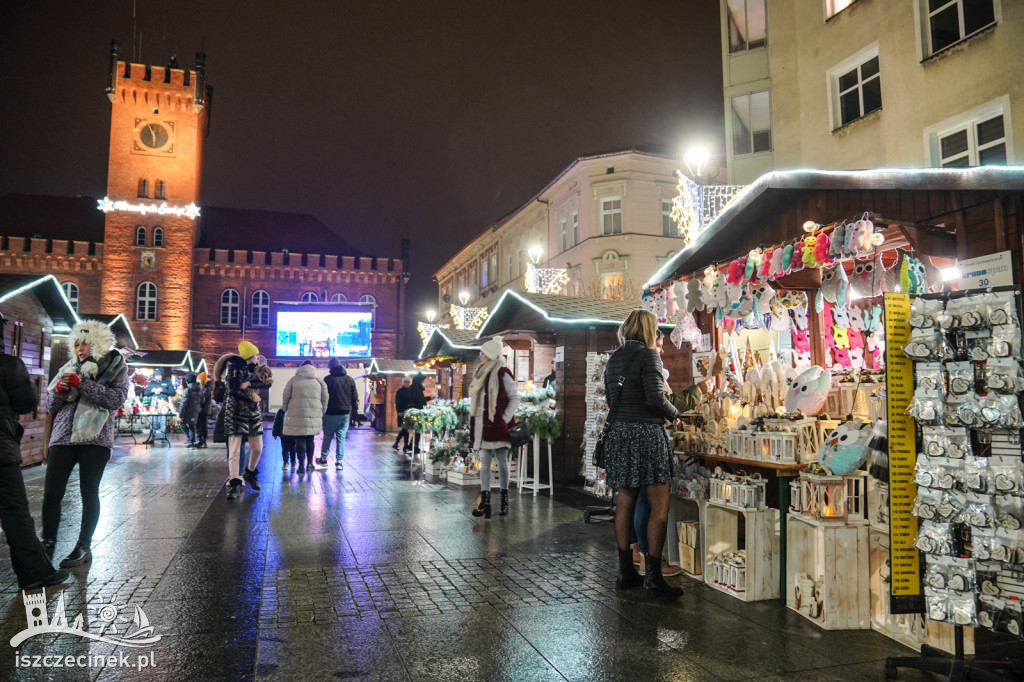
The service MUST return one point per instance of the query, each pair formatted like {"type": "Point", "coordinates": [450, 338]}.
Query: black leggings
{"type": "Point", "coordinates": [91, 460]}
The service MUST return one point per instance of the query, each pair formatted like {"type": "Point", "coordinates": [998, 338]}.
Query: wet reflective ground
{"type": "Point", "coordinates": [375, 574]}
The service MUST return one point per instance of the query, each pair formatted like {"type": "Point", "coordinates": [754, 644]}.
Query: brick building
{"type": "Point", "coordinates": [188, 276]}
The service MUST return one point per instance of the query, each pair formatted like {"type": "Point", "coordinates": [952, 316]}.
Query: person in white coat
{"type": "Point", "coordinates": [304, 404]}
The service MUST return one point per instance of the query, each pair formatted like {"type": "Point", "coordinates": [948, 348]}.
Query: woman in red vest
{"type": "Point", "coordinates": [493, 398]}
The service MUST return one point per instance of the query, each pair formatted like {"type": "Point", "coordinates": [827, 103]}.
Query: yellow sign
{"type": "Point", "coordinates": [899, 371]}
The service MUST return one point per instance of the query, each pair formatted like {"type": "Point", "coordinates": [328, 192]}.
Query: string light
{"type": "Point", "coordinates": [877, 238]}
{"type": "Point", "coordinates": [810, 226]}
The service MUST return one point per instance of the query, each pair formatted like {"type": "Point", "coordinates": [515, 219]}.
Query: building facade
{"type": "Point", "coordinates": [188, 276]}
{"type": "Point", "coordinates": [605, 220]}
{"type": "Point", "coordinates": [851, 84]}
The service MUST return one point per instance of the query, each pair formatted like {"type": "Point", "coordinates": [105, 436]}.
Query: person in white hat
{"type": "Point", "coordinates": [493, 398]}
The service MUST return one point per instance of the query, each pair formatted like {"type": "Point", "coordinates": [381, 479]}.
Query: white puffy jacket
{"type": "Point", "coordinates": [305, 401]}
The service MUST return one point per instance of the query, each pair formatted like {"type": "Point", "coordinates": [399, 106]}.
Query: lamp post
{"type": "Point", "coordinates": [696, 160]}
{"type": "Point", "coordinates": [535, 252]}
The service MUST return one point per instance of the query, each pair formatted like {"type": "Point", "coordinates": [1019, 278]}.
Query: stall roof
{"type": "Point", "coordinates": [117, 323]}
{"type": "Point", "coordinates": [449, 342]}
{"type": "Point", "coordinates": [386, 366]}
{"type": "Point", "coordinates": [50, 294]}
{"type": "Point", "coordinates": [181, 360]}
{"type": "Point", "coordinates": [557, 309]}
{"type": "Point", "coordinates": [761, 200]}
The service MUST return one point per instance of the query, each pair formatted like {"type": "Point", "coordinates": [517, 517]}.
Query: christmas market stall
{"type": "Point", "coordinates": [451, 354]}
{"type": "Point", "coordinates": [384, 378]}
{"type": "Point", "coordinates": [862, 396]}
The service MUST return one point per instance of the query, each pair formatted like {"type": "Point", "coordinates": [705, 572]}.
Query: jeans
{"type": "Point", "coordinates": [641, 515]}
{"type": "Point", "coordinates": [304, 448]}
{"type": "Point", "coordinates": [485, 468]}
{"type": "Point", "coordinates": [335, 426]}
{"type": "Point", "coordinates": [27, 556]}
{"type": "Point", "coordinates": [190, 431]}
{"type": "Point", "coordinates": [91, 460]}
{"type": "Point", "coordinates": [158, 424]}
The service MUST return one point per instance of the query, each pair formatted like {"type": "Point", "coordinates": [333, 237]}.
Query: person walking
{"type": "Point", "coordinates": [418, 399]}
{"type": "Point", "coordinates": [343, 399]}
{"type": "Point", "coordinates": [188, 409]}
{"type": "Point", "coordinates": [403, 401]}
{"type": "Point", "coordinates": [243, 417]}
{"type": "Point", "coordinates": [493, 398]}
{"type": "Point", "coordinates": [84, 398]}
{"type": "Point", "coordinates": [304, 402]}
{"type": "Point", "coordinates": [158, 389]}
{"type": "Point", "coordinates": [637, 452]}
{"type": "Point", "coordinates": [205, 407]}
{"type": "Point", "coordinates": [18, 396]}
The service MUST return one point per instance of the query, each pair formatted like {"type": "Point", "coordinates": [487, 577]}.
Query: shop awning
{"type": "Point", "coordinates": [555, 309]}
{"type": "Point", "coordinates": [449, 342]}
{"type": "Point", "coordinates": [386, 366]}
{"type": "Point", "coordinates": [49, 292]}
{"type": "Point", "coordinates": [743, 224]}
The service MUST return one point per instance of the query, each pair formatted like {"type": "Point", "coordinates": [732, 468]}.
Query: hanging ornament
{"type": "Point", "coordinates": [819, 302]}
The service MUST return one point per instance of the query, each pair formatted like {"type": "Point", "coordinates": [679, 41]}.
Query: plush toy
{"type": "Point", "coordinates": [858, 237]}
{"type": "Point", "coordinates": [721, 294]}
{"type": "Point", "coordinates": [891, 280]}
{"type": "Point", "coordinates": [868, 277]}
{"type": "Point", "coordinates": [742, 306]}
{"type": "Point", "coordinates": [842, 357]}
{"type": "Point", "coordinates": [837, 241]}
{"type": "Point", "coordinates": [809, 391]}
{"type": "Point", "coordinates": [735, 274]}
{"type": "Point", "coordinates": [834, 284]}
{"type": "Point", "coordinates": [763, 293]}
{"type": "Point", "coordinates": [695, 295]}
{"type": "Point", "coordinates": [799, 317]}
{"type": "Point", "coordinates": [661, 305]}
{"type": "Point", "coordinates": [777, 268]}
{"type": "Point", "coordinates": [807, 255]}
{"type": "Point", "coordinates": [841, 338]}
{"type": "Point", "coordinates": [791, 299]}
{"type": "Point", "coordinates": [677, 301]}
{"type": "Point", "coordinates": [841, 316]}
{"type": "Point", "coordinates": [857, 357]}
{"type": "Point", "coordinates": [821, 249]}
{"type": "Point", "coordinates": [801, 346]}
{"type": "Point", "coordinates": [764, 272]}
{"type": "Point", "coordinates": [733, 294]}
{"type": "Point", "coordinates": [846, 448]}
{"type": "Point", "coordinates": [873, 318]}
{"type": "Point", "coordinates": [912, 279]}
{"type": "Point", "coordinates": [788, 253]}
{"type": "Point", "coordinates": [750, 268]}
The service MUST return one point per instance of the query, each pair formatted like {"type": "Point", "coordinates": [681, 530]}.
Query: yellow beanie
{"type": "Point", "coordinates": [247, 350]}
{"type": "Point", "coordinates": [203, 376]}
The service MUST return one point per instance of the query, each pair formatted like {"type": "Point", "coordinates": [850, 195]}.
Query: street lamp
{"type": "Point", "coordinates": [464, 297]}
{"type": "Point", "coordinates": [535, 253]}
{"type": "Point", "coordinates": [430, 315]}
{"type": "Point", "coordinates": [696, 160]}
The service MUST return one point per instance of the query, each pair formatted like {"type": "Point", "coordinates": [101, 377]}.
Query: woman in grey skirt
{"type": "Point", "coordinates": [637, 451]}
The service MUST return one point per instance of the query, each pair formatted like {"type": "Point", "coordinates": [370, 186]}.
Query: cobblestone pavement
{"type": "Point", "coordinates": [374, 573]}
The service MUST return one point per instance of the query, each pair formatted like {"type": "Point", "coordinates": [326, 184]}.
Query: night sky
{"type": "Point", "coordinates": [389, 119]}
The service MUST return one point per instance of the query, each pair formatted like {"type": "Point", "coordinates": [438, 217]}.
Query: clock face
{"type": "Point", "coordinates": [153, 137]}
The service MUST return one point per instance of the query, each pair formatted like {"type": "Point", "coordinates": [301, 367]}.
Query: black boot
{"type": "Point", "coordinates": [234, 488]}
{"type": "Point", "coordinates": [395, 446]}
{"type": "Point", "coordinates": [483, 505]}
{"type": "Point", "coordinates": [503, 503]}
{"type": "Point", "coordinates": [48, 547]}
{"type": "Point", "coordinates": [654, 583]}
{"type": "Point", "coordinates": [250, 478]}
{"type": "Point", "coordinates": [80, 555]}
{"type": "Point", "coordinates": [627, 576]}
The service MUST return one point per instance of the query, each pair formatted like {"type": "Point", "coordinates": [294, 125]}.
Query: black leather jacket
{"type": "Point", "coordinates": [18, 396]}
{"type": "Point", "coordinates": [642, 395]}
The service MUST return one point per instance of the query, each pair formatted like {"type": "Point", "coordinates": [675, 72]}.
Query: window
{"type": "Point", "coordinates": [229, 306]}
{"type": "Point", "coordinates": [508, 268]}
{"type": "Point", "coordinates": [310, 297]}
{"type": "Point", "coordinates": [145, 301]}
{"type": "Point", "coordinates": [575, 228]}
{"type": "Point", "coordinates": [611, 287]}
{"type": "Point", "coordinates": [367, 298]}
{"type": "Point", "coordinates": [71, 291]}
{"type": "Point", "coordinates": [975, 138]}
{"type": "Point", "coordinates": [144, 188]}
{"type": "Point", "coordinates": [494, 266]}
{"type": "Point", "coordinates": [950, 21]}
{"type": "Point", "coordinates": [856, 87]}
{"type": "Point", "coordinates": [140, 236]}
{"type": "Point", "coordinates": [339, 298]}
{"type": "Point", "coordinates": [834, 7]}
{"type": "Point", "coordinates": [611, 215]}
{"type": "Point", "coordinates": [158, 236]}
{"type": "Point", "coordinates": [747, 29]}
{"type": "Point", "coordinates": [260, 308]}
{"type": "Point", "coordinates": [484, 272]}
{"type": "Point", "coordinates": [751, 123]}
{"type": "Point", "coordinates": [159, 190]}
{"type": "Point", "coordinates": [668, 227]}
{"type": "Point", "coordinates": [563, 225]}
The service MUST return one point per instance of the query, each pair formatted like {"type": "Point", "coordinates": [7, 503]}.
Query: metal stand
{"type": "Point", "coordinates": [956, 668]}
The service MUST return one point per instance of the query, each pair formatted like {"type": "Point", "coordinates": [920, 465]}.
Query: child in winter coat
{"type": "Point", "coordinates": [287, 442]}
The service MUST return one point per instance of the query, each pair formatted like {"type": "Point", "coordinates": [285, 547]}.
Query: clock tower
{"type": "Point", "coordinates": [158, 122]}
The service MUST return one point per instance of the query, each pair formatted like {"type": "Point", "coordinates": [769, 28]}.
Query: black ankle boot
{"type": "Point", "coordinates": [48, 547]}
{"type": "Point", "coordinates": [80, 555]}
{"type": "Point", "coordinates": [627, 576]}
{"type": "Point", "coordinates": [503, 503]}
{"type": "Point", "coordinates": [654, 582]}
{"type": "Point", "coordinates": [250, 477]}
{"type": "Point", "coordinates": [483, 505]}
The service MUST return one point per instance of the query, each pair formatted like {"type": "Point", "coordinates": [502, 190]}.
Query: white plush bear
{"type": "Point", "coordinates": [858, 237]}
{"type": "Point", "coordinates": [661, 305]}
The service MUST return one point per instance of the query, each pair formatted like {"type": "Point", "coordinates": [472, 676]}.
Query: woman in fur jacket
{"type": "Point", "coordinates": [84, 398]}
{"type": "Point", "coordinates": [242, 413]}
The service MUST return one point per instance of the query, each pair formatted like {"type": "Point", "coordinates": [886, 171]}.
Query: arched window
{"type": "Point", "coordinates": [159, 190]}
{"type": "Point", "coordinates": [260, 308]}
{"type": "Point", "coordinates": [144, 188]}
{"type": "Point", "coordinates": [310, 297]}
{"type": "Point", "coordinates": [366, 298]}
{"type": "Point", "coordinates": [71, 291]}
{"type": "Point", "coordinates": [229, 306]}
{"type": "Point", "coordinates": [158, 236]}
{"type": "Point", "coordinates": [339, 298]}
{"type": "Point", "coordinates": [140, 235]}
{"type": "Point", "coordinates": [145, 301]}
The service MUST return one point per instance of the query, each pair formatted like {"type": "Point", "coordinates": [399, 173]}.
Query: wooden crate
{"type": "Point", "coordinates": [460, 477]}
{"type": "Point", "coordinates": [827, 573]}
{"type": "Point", "coordinates": [878, 504]}
{"type": "Point", "coordinates": [685, 527]}
{"type": "Point", "coordinates": [721, 534]}
{"type": "Point", "coordinates": [809, 439]}
{"type": "Point", "coordinates": [690, 559]}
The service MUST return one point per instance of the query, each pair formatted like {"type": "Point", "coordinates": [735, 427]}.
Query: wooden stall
{"type": "Point", "coordinates": [452, 355]}
{"type": "Point", "coordinates": [384, 378]}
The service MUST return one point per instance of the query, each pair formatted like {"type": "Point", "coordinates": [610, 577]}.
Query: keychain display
{"type": "Point", "coordinates": [961, 377]}
{"type": "Point", "coordinates": [926, 313]}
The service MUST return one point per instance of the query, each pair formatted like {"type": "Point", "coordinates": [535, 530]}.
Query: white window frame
{"type": "Point", "coordinates": [834, 7]}
{"type": "Point", "coordinates": [339, 298]}
{"type": "Point", "coordinates": [229, 307]}
{"type": "Point", "coordinates": [750, 132]}
{"type": "Point", "coordinates": [924, 26]}
{"type": "Point", "coordinates": [260, 308]}
{"type": "Point", "coordinates": [368, 298]}
{"type": "Point", "coordinates": [71, 291]}
{"type": "Point", "coordinates": [852, 62]}
{"type": "Point", "coordinates": [140, 235]}
{"type": "Point", "coordinates": [746, 25]}
{"type": "Point", "coordinates": [668, 226]}
{"type": "Point", "coordinates": [309, 297]}
{"type": "Point", "coordinates": [969, 120]}
{"type": "Point", "coordinates": [563, 226]}
{"type": "Point", "coordinates": [575, 228]}
{"type": "Point", "coordinates": [146, 301]}
{"type": "Point", "coordinates": [604, 211]}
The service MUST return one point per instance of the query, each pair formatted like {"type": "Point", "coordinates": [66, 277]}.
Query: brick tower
{"type": "Point", "coordinates": [158, 122]}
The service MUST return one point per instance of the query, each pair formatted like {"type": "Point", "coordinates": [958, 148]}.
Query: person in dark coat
{"type": "Point", "coordinates": [403, 401]}
{"type": "Point", "coordinates": [188, 409]}
{"type": "Point", "coordinates": [158, 389]}
{"type": "Point", "coordinates": [243, 416]}
{"type": "Point", "coordinates": [343, 398]}
{"type": "Point", "coordinates": [18, 395]}
{"type": "Point", "coordinates": [418, 399]}
{"type": "Point", "coordinates": [205, 407]}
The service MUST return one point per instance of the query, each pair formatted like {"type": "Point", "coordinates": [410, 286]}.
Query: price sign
{"type": "Point", "coordinates": [906, 578]}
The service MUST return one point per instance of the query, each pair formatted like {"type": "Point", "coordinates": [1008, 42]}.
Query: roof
{"type": "Point", "coordinates": [49, 292]}
{"type": "Point", "coordinates": [117, 323]}
{"type": "Point", "coordinates": [449, 342]}
{"type": "Point", "coordinates": [559, 309]}
{"type": "Point", "coordinates": [182, 360]}
{"type": "Point", "coordinates": [71, 218]}
{"type": "Point", "coordinates": [238, 228]}
{"type": "Point", "coordinates": [386, 366]}
{"type": "Point", "coordinates": [724, 237]}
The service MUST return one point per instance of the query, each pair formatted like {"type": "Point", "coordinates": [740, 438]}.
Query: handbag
{"type": "Point", "coordinates": [518, 434]}
{"type": "Point", "coordinates": [599, 446]}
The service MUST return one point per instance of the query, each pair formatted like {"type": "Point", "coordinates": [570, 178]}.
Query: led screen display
{"type": "Point", "coordinates": [323, 333]}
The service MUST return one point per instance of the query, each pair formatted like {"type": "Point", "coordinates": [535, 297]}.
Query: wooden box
{"type": "Point", "coordinates": [460, 477]}
{"type": "Point", "coordinates": [827, 573]}
{"type": "Point", "coordinates": [690, 559]}
{"type": "Point", "coordinates": [835, 499]}
{"type": "Point", "coordinates": [688, 532]}
{"type": "Point", "coordinates": [809, 439]}
{"type": "Point", "coordinates": [721, 536]}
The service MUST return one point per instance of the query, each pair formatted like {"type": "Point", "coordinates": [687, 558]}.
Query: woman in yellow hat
{"type": "Point", "coordinates": [243, 415]}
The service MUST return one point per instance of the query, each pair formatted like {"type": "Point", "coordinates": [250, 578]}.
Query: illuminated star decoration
{"type": "Point", "coordinates": [427, 328]}
{"type": "Point", "coordinates": [684, 209]}
{"type": "Point", "coordinates": [468, 318]}
{"type": "Point", "coordinates": [545, 280]}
